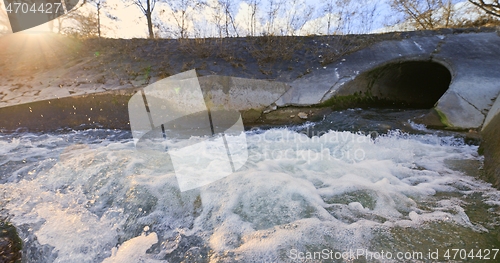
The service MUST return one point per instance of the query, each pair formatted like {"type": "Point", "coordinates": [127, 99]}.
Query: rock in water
{"type": "Point", "coordinates": [10, 243]}
{"type": "Point", "coordinates": [302, 115]}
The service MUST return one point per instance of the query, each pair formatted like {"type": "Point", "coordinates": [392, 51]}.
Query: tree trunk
{"type": "Point", "coordinates": [99, 20]}
{"type": "Point", "coordinates": [150, 26]}
{"type": "Point", "coordinates": [150, 22]}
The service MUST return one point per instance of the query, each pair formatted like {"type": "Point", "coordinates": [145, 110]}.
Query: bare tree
{"type": "Point", "coordinates": [61, 21]}
{"type": "Point", "coordinates": [67, 6]}
{"type": "Point", "coordinates": [253, 4]}
{"type": "Point", "coordinates": [79, 21]}
{"type": "Point", "coordinates": [426, 14]}
{"type": "Point", "coordinates": [338, 14]}
{"type": "Point", "coordinates": [181, 13]}
{"type": "Point", "coordinates": [367, 17]}
{"type": "Point", "coordinates": [329, 10]}
{"type": "Point", "coordinates": [271, 15]}
{"type": "Point", "coordinates": [296, 15]}
{"type": "Point", "coordinates": [343, 15]}
{"type": "Point", "coordinates": [228, 17]}
{"type": "Point", "coordinates": [217, 16]}
{"type": "Point", "coordinates": [101, 7]}
{"type": "Point", "coordinates": [81, 24]}
{"type": "Point", "coordinates": [223, 17]}
{"type": "Point", "coordinates": [147, 7]}
{"type": "Point", "coordinates": [491, 8]}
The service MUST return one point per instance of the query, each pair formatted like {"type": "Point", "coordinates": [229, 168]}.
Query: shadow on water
{"type": "Point", "coordinates": [377, 121]}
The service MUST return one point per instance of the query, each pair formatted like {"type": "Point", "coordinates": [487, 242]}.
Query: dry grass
{"type": "Point", "coordinates": [336, 47]}
{"type": "Point", "coordinates": [270, 49]}
{"type": "Point", "coordinates": [187, 65]}
{"type": "Point", "coordinates": [199, 47]}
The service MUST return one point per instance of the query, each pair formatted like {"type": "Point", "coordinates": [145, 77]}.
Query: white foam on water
{"type": "Point", "coordinates": [418, 126]}
{"type": "Point", "coordinates": [332, 191]}
{"type": "Point", "coordinates": [7, 146]}
{"type": "Point", "coordinates": [134, 250]}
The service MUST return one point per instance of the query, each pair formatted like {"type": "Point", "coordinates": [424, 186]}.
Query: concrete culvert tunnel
{"type": "Point", "coordinates": [411, 84]}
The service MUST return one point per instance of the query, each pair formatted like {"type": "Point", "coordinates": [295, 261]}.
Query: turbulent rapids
{"type": "Point", "coordinates": [303, 196]}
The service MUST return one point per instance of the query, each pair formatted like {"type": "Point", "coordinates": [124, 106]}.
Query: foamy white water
{"type": "Point", "coordinates": [101, 200]}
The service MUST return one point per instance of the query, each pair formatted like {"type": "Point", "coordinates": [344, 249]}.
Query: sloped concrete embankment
{"type": "Point", "coordinates": [110, 109]}
{"type": "Point", "coordinates": [382, 72]}
{"type": "Point", "coordinates": [490, 144]}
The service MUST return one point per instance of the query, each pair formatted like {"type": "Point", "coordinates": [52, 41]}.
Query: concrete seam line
{"type": "Point", "coordinates": [458, 94]}
{"type": "Point", "coordinates": [282, 94]}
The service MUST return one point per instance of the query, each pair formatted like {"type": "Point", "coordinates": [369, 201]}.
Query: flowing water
{"type": "Point", "coordinates": [359, 186]}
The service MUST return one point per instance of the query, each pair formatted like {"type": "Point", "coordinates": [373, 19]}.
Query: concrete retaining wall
{"type": "Point", "coordinates": [249, 96]}
{"type": "Point", "coordinates": [490, 144]}
{"type": "Point", "coordinates": [110, 109]}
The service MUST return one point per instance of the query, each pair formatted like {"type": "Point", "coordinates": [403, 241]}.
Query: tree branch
{"type": "Point", "coordinates": [491, 9]}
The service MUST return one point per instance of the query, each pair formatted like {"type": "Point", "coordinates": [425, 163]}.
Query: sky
{"type": "Point", "coordinates": [132, 23]}
{"type": "Point", "coordinates": [204, 17]}
{"type": "Point", "coordinates": [360, 16]}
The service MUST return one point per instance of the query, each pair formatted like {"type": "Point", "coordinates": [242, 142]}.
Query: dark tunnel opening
{"type": "Point", "coordinates": [412, 84]}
